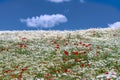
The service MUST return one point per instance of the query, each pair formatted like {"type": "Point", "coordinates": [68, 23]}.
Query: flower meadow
{"type": "Point", "coordinates": [92, 54]}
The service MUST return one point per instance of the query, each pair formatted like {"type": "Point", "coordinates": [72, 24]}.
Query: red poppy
{"type": "Point", "coordinates": [23, 38]}
{"type": "Point", "coordinates": [65, 59]}
{"type": "Point", "coordinates": [76, 53]}
{"type": "Point", "coordinates": [66, 53]}
{"type": "Point", "coordinates": [54, 42]}
{"type": "Point", "coordinates": [82, 65]}
{"type": "Point", "coordinates": [7, 71]}
{"type": "Point", "coordinates": [86, 46]}
{"type": "Point", "coordinates": [83, 52]}
{"type": "Point", "coordinates": [89, 44]}
{"type": "Point", "coordinates": [106, 72]}
{"type": "Point", "coordinates": [20, 77]}
{"type": "Point", "coordinates": [90, 49]}
{"type": "Point", "coordinates": [81, 43]}
{"type": "Point", "coordinates": [76, 44]}
{"type": "Point", "coordinates": [65, 44]}
{"type": "Point", "coordinates": [22, 45]}
{"type": "Point", "coordinates": [17, 66]}
{"type": "Point", "coordinates": [51, 79]}
{"type": "Point", "coordinates": [108, 79]}
{"type": "Point", "coordinates": [76, 60]}
{"type": "Point", "coordinates": [24, 69]}
{"type": "Point", "coordinates": [88, 65]}
{"type": "Point", "coordinates": [47, 75]}
{"type": "Point", "coordinates": [12, 76]}
{"type": "Point", "coordinates": [57, 46]}
{"type": "Point", "coordinates": [98, 47]}
{"type": "Point", "coordinates": [66, 70]}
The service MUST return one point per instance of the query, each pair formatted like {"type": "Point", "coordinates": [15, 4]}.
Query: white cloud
{"type": "Point", "coordinates": [45, 21]}
{"type": "Point", "coordinates": [58, 1]}
{"type": "Point", "coordinates": [114, 25]}
{"type": "Point", "coordinates": [82, 1]}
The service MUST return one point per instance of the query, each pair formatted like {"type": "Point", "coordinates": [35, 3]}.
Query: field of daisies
{"type": "Point", "coordinates": [92, 54]}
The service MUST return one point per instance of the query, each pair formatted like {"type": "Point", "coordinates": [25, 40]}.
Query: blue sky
{"type": "Point", "coordinates": [58, 14]}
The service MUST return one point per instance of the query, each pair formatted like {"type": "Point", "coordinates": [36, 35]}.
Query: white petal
{"type": "Point", "coordinates": [114, 76]}
{"type": "Point", "coordinates": [100, 76]}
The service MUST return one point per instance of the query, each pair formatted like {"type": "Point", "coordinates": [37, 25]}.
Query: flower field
{"type": "Point", "coordinates": [92, 54]}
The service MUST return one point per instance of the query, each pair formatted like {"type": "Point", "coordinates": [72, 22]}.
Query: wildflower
{"type": "Point", "coordinates": [58, 71]}
{"type": "Point", "coordinates": [51, 79]}
{"type": "Point", "coordinates": [20, 77]}
{"type": "Point", "coordinates": [12, 76]}
{"type": "Point", "coordinates": [54, 42]}
{"type": "Point", "coordinates": [66, 53]}
{"type": "Point", "coordinates": [17, 66]}
{"type": "Point", "coordinates": [66, 70]}
{"type": "Point", "coordinates": [40, 79]}
{"type": "Point", "coordinates": [7, 71]}
{"type": "Point", "coordinates": [98, 47]}
{"type": "Point", "coordinates": [2, 49]}
{"type": "Point", "coordinates": [65, 59]}
{"type": "Point", "coordinates": [108, 75]}
{"type": "Point", "coordinates": [43, 62]}
{"type": "Point", "coordinates": [47, 75]}
{"type": "Point", "coordinates": [90, 49]}
{"type": "Point", "coordinates": [64, 74]}
{"type": "Point", "coordinates": [81, 43]}
{"type": "Point", "coordinates": [87, 45]}
{"type": "Point", "coordinates": [7, 49]}
{"type": "Point", "coordinates": [88, 65]}
{"type": "Point", "coordinates": [114, 34]}
{"type": "Point", "coordinates": [76, 60]}
{"type": "Point", "coordinates": [24, 39]}
{"type": "Point", "coordinates": [66, 44]}
{"type": "Point", "coordinates": [57, 46]}
{"type": "Point", "coordinates": [106, 72]}
{"type": "Point", "coordinates": [24, 69]}
{"type": "Point", "coordinates": [22, 45]}
{"type": "Point", "coordinates": [83, 52]}
{"type": "Point", "coordinates": [76, 44]}
{"type": "Point", "coordinates": [108, 79]}
{"type": "Point", "coordinates": [75, 53]}
{"type": "Point", "coordinates": [82, 65]}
